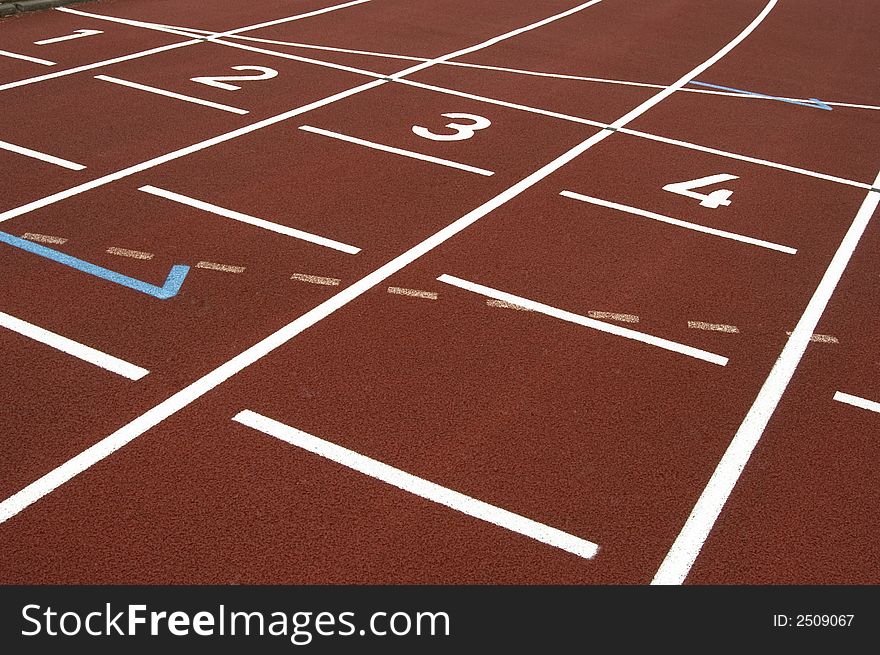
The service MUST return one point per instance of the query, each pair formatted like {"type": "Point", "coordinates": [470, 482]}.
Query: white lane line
{"type": "Point", "coordinates": [418, 486]}
{"type": "Point", "coordinates": [33, 60]}
{"type": "Point", "coordinates": [42, 156]}
{"type": "Point", "coordinates": [821, 338]}
{"type": "Point", "coordinates": [491, 302]}
{"type": "Point", "coordinates": [125, 252]}
{"type": "Point", "coordinates": [43, 238]}
{"type": "Point", "coordinates": [613, 316]}
{"type": "Point", "coordinates": [679, 223]}
{"type": "Point", "coordinates": [250, 220]}
{"type": "Point", "coordinates": [316, 279]}
{"type": "Point", "coordinates": [713, 327]}
{"type": "Point", "coordinates": [855, 401]}
{"type": "Point", "coordinates": [73, 348]}
{"type": "Point", "coordinates": [584, 321]}
{"type": "Point", "coordinates": [413, 293]}
{"type": "Point", "coordinates": [77, 34]}
{"type": "Point", "coordinates": [687, 546]}
{"type": "Point", "coordinates": [226, 268]}
{"type": "Point", "coordinates": [172, 94]}
{"type": "Point", "coordinates": [396, 151]}
{"type": "Point", "coordinates": [195, 390]}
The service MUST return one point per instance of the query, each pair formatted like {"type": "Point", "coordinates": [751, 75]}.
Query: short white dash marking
{"type": "Point", "coordinates": [821, 338]}
{"type": "Point", "coordinates": [226, 268]}
{"type": "Point", "coordinates": [413, 293]}
{"type": "Point", "coordinates": [713, 327]}
{"type": "Point", "coordinates": [172, 94]}
{"type": "Point", "coordinates": [855, 401]}
{"type": "Point", "coordinates": [678, 223]}
{"type": "Point", "coordinates": [418, 486]}
{"type": "Point", "coordinates": [33, 60]}
{"type": "Point", "coordinates": [73, 348]}
{"type": "Point", "coordinates": [42, 156]}
{"type": "Point", "coordinates": [396, 151]}
{"type": "Point", "coordinates": [585, 321]}
{"type": "Point", "coordinates": [250, 220]}
{"type": "Point", "coordinates": [125, 252]}
{"type": "Point", "coordinates": [316, 279]}
{"type": "Point", "coordinates": [505, 305]}
{"type": "Point", "coordinates": [612, 316]}
{"type": "Point", "coordinates": [43, 238]}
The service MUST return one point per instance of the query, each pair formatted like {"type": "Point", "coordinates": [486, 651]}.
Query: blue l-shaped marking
{"type": "Point", "coordinates": [815, 103]}
{"type": "Point", "coordinates": [168, 290]}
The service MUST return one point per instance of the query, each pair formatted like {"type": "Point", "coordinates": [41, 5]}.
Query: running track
{"type": "Point", "coordinates": [440, 292]}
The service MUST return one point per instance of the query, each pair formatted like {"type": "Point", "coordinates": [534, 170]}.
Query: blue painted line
{"type": "Point", "coordinates": [815, 103]}
{"type": "Point", "coordinates": [168, 290]}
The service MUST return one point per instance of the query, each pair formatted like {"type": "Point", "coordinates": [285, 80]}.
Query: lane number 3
{"type": "Point", "coordinates": [221, 82]}
{"type": "Point", "coordinates": [461, 131]}
{"type": "Point", "coordinates": [713, 200]}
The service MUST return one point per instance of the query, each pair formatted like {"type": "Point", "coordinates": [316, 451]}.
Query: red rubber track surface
{"type": "Point", "coordinates": [603, 437]}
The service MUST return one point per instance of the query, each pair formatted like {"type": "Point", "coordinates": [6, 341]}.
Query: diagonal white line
{"type": "Point", "coordinates": [171, 94]}
{"type": "Point", "coordinates": [33, 60]}
{"type": "Point", "coordinates": [855, 401]}
{"type": "Point", "coordinates": [42, 156]}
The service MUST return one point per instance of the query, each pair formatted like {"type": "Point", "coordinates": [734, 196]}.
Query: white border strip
{"type": "Point", "coordinates": [251, 220]}
{"type": "Point", "coordinates": [418, 486]}
{"type": "Point", "coordinates": [679, 223]}
{"type": "Point", "coordinates": [396, 151]}
{"type": "Point", "coordinates": [172, 94]}
{"type": "Point", "coordinates": [42, 156]}
{"type": "Point", "coordinates": [684, 551]}
{"type": "Point", "coordinates": [855, 401]}
{"type": "Point", "coordinates": [584, 321]}
{"type": "Point", "coordinates": [73, 348]}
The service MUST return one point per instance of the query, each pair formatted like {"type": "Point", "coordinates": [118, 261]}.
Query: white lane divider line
{"type": "Point", "coordinates": [613, 316]}
{"type": "Point", "coordinates": [316, 279]}
{"type": "Point", "coordinates": [251, 220]}
{"type": "Point", "coordinates": [125, 252]}
{"type": "Point", "coordinates": [821, 338]}
{"type": "Point", "coordinates": [713, 327]}
{"type": "Point", "coordinates": [679, 223]}
{"type": "Point", "coordinates": [77, 34]}
{"type": "Point", "coordinates": [172, 94]}
{"type": "Point", "coordinates": [43, 238]}
{"type": "Point", "coordinates": [491, 302]}
{"type": "Point", "coordinates": [396, 151]}
{"type": "Point", "coordinates": [226, 268]}
{"type": "Point", "coordinates": [413, 293]}
{"type": "Point", "coordinates": [33, 60]}
{"type": "Point", "coordinates": [585, 321]}
{"type": "Point", "coordinates": [855, 401]}
{"type": "Point", "coordinates": [73, 348]}
{"type": "Point", "coordinates": [418, 486]}
{"type": "Point", "coordinates": [42, 156]}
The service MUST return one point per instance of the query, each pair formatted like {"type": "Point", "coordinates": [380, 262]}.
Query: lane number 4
{"type": "Point", "coordinates": [221, 82]}
{"type": "Point", "coordinates": [712, 200]}
{"type": "Point", "coordinates": [461, 131]}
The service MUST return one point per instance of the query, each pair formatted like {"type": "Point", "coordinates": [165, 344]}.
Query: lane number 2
{"type": "Point", "coordinates": [221, 82]}
{"type": "Point", "coordinates": [713, 200]}
{"type": "Point", "coordinates": [460, 131]}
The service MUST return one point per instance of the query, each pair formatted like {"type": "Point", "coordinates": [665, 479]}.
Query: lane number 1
{"type": "Point", "coordinates": [221, 82]}
{"type": "Point", "coordinates": [461, 131]}
{"type": "Point", "coordinates": [713, 200]}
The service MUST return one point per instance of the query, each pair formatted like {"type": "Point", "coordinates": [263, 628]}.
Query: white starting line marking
{"type": "Point", "coordinates": [42, 156]}
{"type": "Point", "coordinates": [584, 321]}
{"type": "Point", "coordinates": [821, 338]}
{"type": "Point", "coordinates": [78, 350]}
{"type": "Point", "coordinates": [612, 316]}
{"type": "Point", "coordinates": [125, 252]}
{"type": "Point", "coordinates": [43, 238]}
{"type": "Point", "coordinates": [172, 94]}
{"type": "Point", "coordinates": [396, 151]}
{"type": "Point", "coordinates": [418, 486]}
{"type": "Point", "coordinates": [316, 279]}
{"type": "Point", "coordinates": [226, 268]}
{"type": "Point", "coordinates": [713, 327]}
{"type": "Point", "coordinates": [679, 223]}
{"type": "Point", "coordinates": [33, 60]}
{"type": "Point", "coordinates": [413, 293]}
{"type": "Point", "coordinates": [506, 305]}
{"type": "Point", "coordinates": [855, 401]}
{"type": "Point", "coordinates": [687, 546]}
{"type": "Point", "coordinates": [251, 220]}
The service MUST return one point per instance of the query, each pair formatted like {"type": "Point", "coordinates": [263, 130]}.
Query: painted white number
{"type": "Point", "coordinates": [221, 82]}
{"type": "Point", "coordinates": [714, 200]}
{"type": "Point", "coordinates": [462, 132]}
